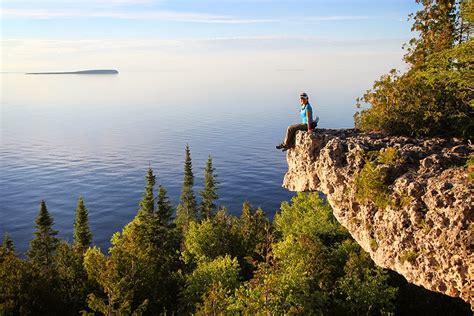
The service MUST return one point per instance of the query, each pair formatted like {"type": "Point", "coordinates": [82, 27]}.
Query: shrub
{"type": "Point", "coordinates": [409, 256]}
{"type": "Point", "coordinates": [222, 271]}
{"type": "Point", "coordinates": [405, 200]}
{"type": "Point", "coordinates": [211, 238]}
{"type": "Point", "coordinates": [435, 96]}
{"type": "Point", "coordinates": [370, 185]}
{"type": "Point", "coordinates": [470, 167]}
{"type": "Point", "coordinates": [373, 244]}
{"type": "Point", "coordinates": [389, 156]}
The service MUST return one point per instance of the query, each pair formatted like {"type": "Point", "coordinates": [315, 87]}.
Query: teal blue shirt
{"type": "Point", "coordinates": [304, 110]}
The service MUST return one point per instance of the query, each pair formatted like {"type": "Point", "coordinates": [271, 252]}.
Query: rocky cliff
{"type": "Point", "coordinates": [408, 202]}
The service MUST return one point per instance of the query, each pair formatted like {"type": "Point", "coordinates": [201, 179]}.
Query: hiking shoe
{"type": "Point", "coordinates": [281, 146]}
{"type": "Point", "coordinates": [285, 149]}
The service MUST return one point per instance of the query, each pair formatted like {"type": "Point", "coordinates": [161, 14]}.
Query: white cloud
{"type": "Point", "coordinates": [88, 2]}
{"type": "Point", "coordinates": [335, 18]}
{"type": "Point", "coordinates": [162, 15]}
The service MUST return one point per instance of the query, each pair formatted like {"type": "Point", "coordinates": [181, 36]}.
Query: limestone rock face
{"type": "Point", "coordinates": [425, 231]}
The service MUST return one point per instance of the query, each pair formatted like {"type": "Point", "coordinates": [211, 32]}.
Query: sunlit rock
{"type": "Point", "coordinates": [424, 231]}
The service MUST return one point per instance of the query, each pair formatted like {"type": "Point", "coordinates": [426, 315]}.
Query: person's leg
{"type": "Point", "coordinates": [314, 124]}
{"type": "Point", "coordinates": [291, 132]}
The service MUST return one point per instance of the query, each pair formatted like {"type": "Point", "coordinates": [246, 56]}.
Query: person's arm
{"type": "Point", "coordinates": [308, 120]}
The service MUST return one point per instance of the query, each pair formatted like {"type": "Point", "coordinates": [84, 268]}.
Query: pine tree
{"type": "Point", "coordinates": [82, 233]}
{"type": "Point", "coordinates": [209, 193]}
{"type": "Point", "coordinates": [436, 24]}
{"type": "Point", "coordinates": [147, 204]}
{"type": "Point", "coordinates": [186, 210]}
{"type": "Point", "coordinates": [164, 210]}
{"type": "Point", "coordinates": [7, 244]}
{"type": "Point", "coordinates": [43, 246]}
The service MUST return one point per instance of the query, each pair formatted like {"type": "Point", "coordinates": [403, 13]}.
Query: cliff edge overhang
{"type": "Point", "coordinates": [421, 226]}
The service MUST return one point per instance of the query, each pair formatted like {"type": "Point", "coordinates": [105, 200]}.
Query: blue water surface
{"type": "Point", "coordinates": [63, 136]}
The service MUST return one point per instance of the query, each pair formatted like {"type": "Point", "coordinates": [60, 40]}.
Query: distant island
{"type": "Point", "coordinates": [82, 72]}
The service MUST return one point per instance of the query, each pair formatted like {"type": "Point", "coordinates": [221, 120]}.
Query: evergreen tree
{"type": "Point", "coordinates": [82, 233]}
{"type": "Point", "coordinates": [436, 25]}
{"type": "Point", "coordinates": [140, 271]}
{"type": "Point", "coordinates": [209, 193]}
{"type": "Point", "coordinates": [43, 246]}
{"type": "Point", "coordinates": [147, 204]}
{"type": "Point", "coordinates": [73, 284]}
{"type": "Point", "coordinates": [7, 244]}
{"type": "Point", "coordinates": [186, 210]}
{"type": "Point", "coordinates": [164, 210]}
{"type": "Point", "coordinates": [210, 238]}
{"type": "Point", "coordinates": [16, 282]}
{"type": "Point", "coordinates": [252, 230]}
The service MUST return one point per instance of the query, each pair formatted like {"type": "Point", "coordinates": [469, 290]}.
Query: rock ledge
{"type": "Point", "coordinates": [426, 232]}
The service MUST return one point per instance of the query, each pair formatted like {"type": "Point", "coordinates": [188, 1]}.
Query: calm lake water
{"type": "Point", "coordinates": [68, 135]}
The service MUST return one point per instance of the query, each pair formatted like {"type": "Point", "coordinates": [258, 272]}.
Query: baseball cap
{"type": "Point", "coordinates": [303, 95]}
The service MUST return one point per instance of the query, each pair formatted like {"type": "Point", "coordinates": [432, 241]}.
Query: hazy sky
{"type": "Point", "coordinates": [182, 34]}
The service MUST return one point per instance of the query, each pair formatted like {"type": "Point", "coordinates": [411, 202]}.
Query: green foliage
{"type": "Point", "coordinates": [221, 271]}
{"type": "Point", "coordinates": [408, 256]}
{"type": "Point", "coordinates": [371, 181]}
{"type": "Point", "coordinates": [364, 289]}
{"type": "Point", "coordinates": [215, 302]}
{"type": "Point", "coordinates": [224, 235]}
{"type": "Point", "coordinates": [43, 294]}
{"type": "Point", "coordinates": [147, 204]}
{"type": "Point", "coordinates": [309, 215]}
{"type": "Point", "coordinates": [373, 244]}
{"type": "Point", "coordinates": [370, 185]}
{"type": "Point", "coordinates": [73, 282]}
{"type": "Point", "coordinates": [470, 167]}
{"type": "Point", "coordinates": [252, 230]}
{"type": "Point", "coordinates": [7, 245]}
{"type": "Point", "coordinates": [187, 210]}
{"type": "Point", "coordinates": [435, 24]}
{"type": "Point", "coordinates": [302, 274]}
{"type": "Point", "coordinates": [209, 193]}
{"type": "Point", "coordinates": [320, 260]}
{"type": "Point", "coordinates": [117, 286]}
{"type": "Point", "coordinates": [15, 284]}
{"type": "Point", "coordinates": [141, 272]}
{"type": "Point", "coordinates": [405, 200]}
{"type": "Point", "coordinates": [262, 295]}
{"type": "Point", "coordinates": [299, 274]}
{"type": "Point", "coordinates": [82, 233]}
{"type": "Point", "coordinates": [435, 96]}
{"type": "Point", "coordinates": [43, 246]}
{"type": "Point", "coordinates": [211, 238]}
{"type": "Point", "coordinates": [467, 18]}
{"type": "Point", "coordinates": [164, 210]}
{"type": "Point", "coordinates": [424, 226]}
{"type": "Point", "coordinates": [389, 156]}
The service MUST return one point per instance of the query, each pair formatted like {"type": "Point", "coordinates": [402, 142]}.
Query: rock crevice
{"type": "Point", "coordinates": [423, 229]}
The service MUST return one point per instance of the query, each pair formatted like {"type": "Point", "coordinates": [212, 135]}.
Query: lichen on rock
{"type": "Point", "coordinates": [424, 229]}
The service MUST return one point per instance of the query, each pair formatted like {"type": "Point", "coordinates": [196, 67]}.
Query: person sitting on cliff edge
{"type": "Point", "coordinates": [307, 123]}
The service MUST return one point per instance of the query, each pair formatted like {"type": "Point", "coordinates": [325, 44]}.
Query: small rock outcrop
{"type": "Point", "coordinates": [418, 222]}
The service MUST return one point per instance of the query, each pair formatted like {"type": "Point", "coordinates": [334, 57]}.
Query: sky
{"type": "Point", "coordinates": [139, 35]}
